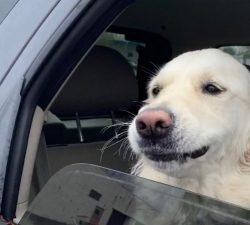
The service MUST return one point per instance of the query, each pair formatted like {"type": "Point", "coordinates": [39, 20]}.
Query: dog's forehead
{"type": "Point", "coordinates": [204, 64]}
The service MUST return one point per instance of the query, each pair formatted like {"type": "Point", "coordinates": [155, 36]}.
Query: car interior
{"type": "Point", "coordinates": [88, 119]}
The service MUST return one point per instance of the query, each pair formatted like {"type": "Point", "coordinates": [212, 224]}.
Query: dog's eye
{"type": "Point", "coordinates": [212, 89]}
{"type": "Point", "coordinates": [156, 90]}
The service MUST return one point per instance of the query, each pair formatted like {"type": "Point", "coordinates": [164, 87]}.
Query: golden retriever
{"type": "Point", "coordinates": [194, 130]}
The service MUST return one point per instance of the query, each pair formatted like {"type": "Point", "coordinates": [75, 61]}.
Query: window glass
{"type": "Point", "coordinates": [118, 42]}
{"type": "Point", "coordinates": [125, 200]}
{"type": "Point", "coordinates": [241, 53]}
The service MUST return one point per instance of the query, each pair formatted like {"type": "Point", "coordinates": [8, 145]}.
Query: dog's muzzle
{"type": "Point", "coordinates": [157, 141]}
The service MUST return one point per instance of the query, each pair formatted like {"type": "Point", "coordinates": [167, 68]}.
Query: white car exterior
{"type": "Point", "coordinates": [26, 32]}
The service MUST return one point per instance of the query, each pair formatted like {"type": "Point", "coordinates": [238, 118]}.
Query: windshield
{"type": "Point", "coordinates": [86, 194]}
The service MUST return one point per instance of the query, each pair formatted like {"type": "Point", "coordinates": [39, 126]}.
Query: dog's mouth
{"type": "Point", "coordinates": [167, 157]}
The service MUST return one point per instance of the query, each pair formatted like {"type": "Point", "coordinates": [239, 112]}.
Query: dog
{"type": "Point", "coordinates": [194, 130]}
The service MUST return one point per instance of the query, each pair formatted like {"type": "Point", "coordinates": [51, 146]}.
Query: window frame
{"type": "Point", "coordinates": [48, 73]}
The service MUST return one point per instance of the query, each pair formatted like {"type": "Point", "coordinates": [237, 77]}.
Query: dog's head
{"type": "Point", "coordinates": [197, 112]}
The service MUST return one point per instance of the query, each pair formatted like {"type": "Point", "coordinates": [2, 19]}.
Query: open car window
{"type": "Point", "coordinates": [87, 194]}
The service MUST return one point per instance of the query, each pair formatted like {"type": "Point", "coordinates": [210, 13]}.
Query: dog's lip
{"type": "Point", "coordinates": [167, 157]}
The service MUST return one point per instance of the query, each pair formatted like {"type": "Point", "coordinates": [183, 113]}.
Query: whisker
{"type": "Point", "coordinates": [132, 155]}
{"type": "Point", "coordinates": [107, 143]}
{"type": "Point", "coordinates": [157, 67]}
{"type": "Point", "coordinates": [123, 110]}
{"type": "Point", "coordinates": [109, 146]}
{"type": "Point", "coordinates": [105, 147]}
{"type": "Point", "coordinates": [126, 150]}
{"type": "Point", "coordinates": [147, 70]}
{"type": "Point", "coordinates": [121, 146]}
{"type": "Point", "coordinates": [122, 124]}
{"type": "Point", "coordinates": [136, 169]}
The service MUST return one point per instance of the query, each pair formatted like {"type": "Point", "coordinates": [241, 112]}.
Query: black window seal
{"type": "Point", "coordinates": [54, 70]}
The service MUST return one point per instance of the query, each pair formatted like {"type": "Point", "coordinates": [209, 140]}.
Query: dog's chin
{"type": "Point", "coordinates": [172, 168]}
{"type": "Point", "coordinates": [174, 162]}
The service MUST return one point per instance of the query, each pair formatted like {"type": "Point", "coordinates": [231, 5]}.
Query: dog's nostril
{"type": "Point", "coordinates": [161, 124]}
{"type": "Point", "coordinates": [143, 128]}
{"type": "Point", "coordinates": [141, 125]}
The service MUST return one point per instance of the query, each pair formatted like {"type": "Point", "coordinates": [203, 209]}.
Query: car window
{"type": "Point", "coordinates": [241, 53]}
{"type": "Point", "coordinates": [88, 120]}
{"type": "Point", "coordinates": [93, 198]}
{"type": "Point", "coordinates": [87, 194]}
{"type": "Point", "coordinates": [5, 8]}
{"type": "Point", "coordinates": [92, 127]}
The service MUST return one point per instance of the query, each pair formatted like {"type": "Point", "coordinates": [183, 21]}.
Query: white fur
{"type": "Point", "coordinates": [222, 122]}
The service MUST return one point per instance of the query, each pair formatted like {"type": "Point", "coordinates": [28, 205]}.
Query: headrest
{"type": "Point", "coordinates": [102, 83]}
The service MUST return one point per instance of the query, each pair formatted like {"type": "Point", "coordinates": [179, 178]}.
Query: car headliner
{"type": "Point", "coordinates": [192, 24]}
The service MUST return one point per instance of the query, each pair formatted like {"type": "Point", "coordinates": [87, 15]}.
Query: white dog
{"type": "Point", "coordinates": [194, 131]}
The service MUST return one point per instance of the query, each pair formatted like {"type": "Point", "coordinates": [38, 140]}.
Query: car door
{"type": "Point", "coordinates": [40, 43]}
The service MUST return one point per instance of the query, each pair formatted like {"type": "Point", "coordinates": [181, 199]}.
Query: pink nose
{"type": "Point", "coordinates": [153, 123]}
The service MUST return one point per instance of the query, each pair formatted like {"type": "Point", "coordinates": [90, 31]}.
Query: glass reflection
{"type": "Point", "coordinates": [86, 194]}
